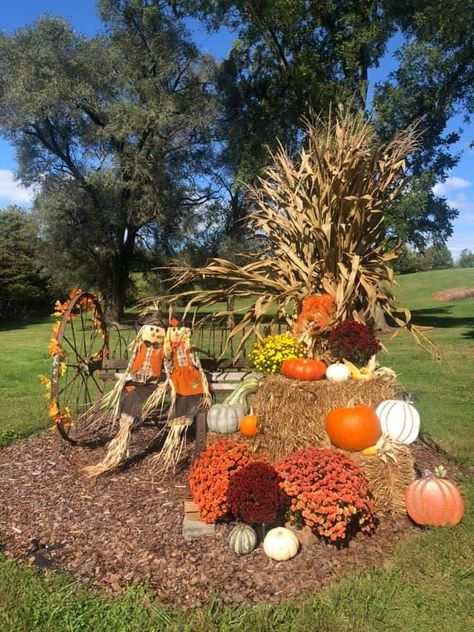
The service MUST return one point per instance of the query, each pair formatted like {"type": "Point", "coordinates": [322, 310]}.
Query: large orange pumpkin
{"type": "Point", "coordinates": [435, 501]}
{"type": "Point", "coordinates": [248, 425]}
{"type": "Point", "coordinates": [305, 369]}
{"type": "Point", "coordinates": [353, 428]}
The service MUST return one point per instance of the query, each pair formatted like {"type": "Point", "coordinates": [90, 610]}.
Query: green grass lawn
{"type": "Point", "coordinates": [427, 586]}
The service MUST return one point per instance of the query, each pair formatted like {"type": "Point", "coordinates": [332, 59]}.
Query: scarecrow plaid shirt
{"type": "Point", "coordinates": [144, 374]}
{"type": "Point", "coordinates": [182, 357]}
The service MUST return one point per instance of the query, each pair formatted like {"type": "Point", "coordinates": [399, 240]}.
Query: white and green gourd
{"type": "Point", "coordinates": [243, 539]}
{"type": "Point", "coordinates": [399, 420]}
{"type": "Point", "coordinates": [225, 418]}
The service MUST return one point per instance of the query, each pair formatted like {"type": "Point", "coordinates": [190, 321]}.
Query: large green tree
{"type": "Point", "coordinates": [287, 59]}
{"type": "Point", "coordinates": [22, 286]}
{"type": "Point", "coordinates": [116, 129]}
{"type": "Point", "coordinates": [434, 81]}
{"type": "Point", "coordinates": [291, 57]}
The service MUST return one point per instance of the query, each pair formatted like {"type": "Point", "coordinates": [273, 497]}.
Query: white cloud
{"type": "Point", "coordinates": [453, 182]}
{"type": "Point", "coordinates": [11, 191]}
{"type": "Point", "coordinates": [461, 203]}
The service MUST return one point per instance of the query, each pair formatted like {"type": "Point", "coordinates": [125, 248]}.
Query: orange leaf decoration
{"type": "Point", "coordinates": [53, 409]}
{"type": "Point", "coordinates": [54, 347]}
{"type": "Point", "coordinates": [45, 381]}
{"type": "Point", "coordinates": [73, 292]}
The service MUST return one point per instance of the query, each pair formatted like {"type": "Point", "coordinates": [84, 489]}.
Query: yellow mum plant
{"type": "Point", "coordinates": [268, 353]}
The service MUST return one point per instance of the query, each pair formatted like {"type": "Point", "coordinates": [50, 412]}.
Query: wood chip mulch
{"type": "Point", "coordinates": [125, 527]}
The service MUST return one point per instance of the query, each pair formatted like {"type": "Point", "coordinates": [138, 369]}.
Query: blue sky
{"type": "Point", "coordinates": [458, 188]}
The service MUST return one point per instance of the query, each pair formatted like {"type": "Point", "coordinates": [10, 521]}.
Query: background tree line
{"type": "Point", "coordinates": [141, 145]}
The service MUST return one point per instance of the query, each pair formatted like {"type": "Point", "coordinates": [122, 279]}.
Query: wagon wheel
{"type": "Point", "coordinates": [82, 344]}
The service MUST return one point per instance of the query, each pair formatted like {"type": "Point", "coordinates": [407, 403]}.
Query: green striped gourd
{"type": "Point", "coordinates": [243, 539]}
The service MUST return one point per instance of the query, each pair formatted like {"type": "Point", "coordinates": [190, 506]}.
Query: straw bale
{"type": "Point", "coordinates": [387, 478]}
{"type": "Point", "coordinates": [292, 413]}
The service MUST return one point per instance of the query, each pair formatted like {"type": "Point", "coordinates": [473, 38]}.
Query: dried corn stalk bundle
{"type": "Point", "coordinates": [292, 413]}
{"type": "Point", "coordinates": [320, 220]}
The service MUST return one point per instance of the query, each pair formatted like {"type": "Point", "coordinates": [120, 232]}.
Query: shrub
{"type": "Point", "coordinates": [353, 341]}
{"type": "Point", "coordinates": [268, 354]}
{"type": "Point", "coordinates": [328, 492]}
{"type": "Point", "coordinates": [255, 495]}
{"type": "Point", "coordinates": [210, 474]}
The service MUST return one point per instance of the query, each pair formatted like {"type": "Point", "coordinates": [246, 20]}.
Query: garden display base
{"type": "Point", "coordinates": [193, 526]}
{"type": "Point", "coordinates": [292, 413]}
{"type": "Point", "coordinates": [126, 527]}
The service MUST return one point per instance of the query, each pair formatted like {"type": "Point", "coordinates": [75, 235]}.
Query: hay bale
{"type": "Point", "coordinates": [292, 413]}
{"type": "Point", "coordinates": [454, 294]}
{"type": "Point", "coordinates": [388, 478]}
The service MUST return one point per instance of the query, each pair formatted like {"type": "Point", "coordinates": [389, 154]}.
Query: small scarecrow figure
{"type": "Point", "coordinates": [190, 391]}
{"type": "Point", "coordinates": [139, 391]}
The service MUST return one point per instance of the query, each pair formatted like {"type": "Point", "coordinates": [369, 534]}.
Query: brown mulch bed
{"type": "Point", "coordinates": [125, 527]}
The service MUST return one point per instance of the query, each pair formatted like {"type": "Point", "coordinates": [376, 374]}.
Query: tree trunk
{"type": "Point", "coordinates": [379, 320]}
{"type": "Point", "coordinates": [230, 323]}
{"type": "Point", "coordinates": [115, 298]}
{"type": "Point", "coordinates": [113, 307]}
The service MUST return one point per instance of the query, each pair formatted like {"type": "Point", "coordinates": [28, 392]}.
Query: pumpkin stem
{"type": "Point", "coordinates": [426, 473]}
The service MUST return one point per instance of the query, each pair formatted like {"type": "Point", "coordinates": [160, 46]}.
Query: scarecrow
{"type": "Point", "coordinates": [190, 391]}
{"type": "Point", "coordinates": [145, 385]}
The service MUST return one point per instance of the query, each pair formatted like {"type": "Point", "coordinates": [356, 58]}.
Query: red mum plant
{"type": "Point", "coordinates": [353, 341]}
{"type": "Point", "coordinates": [329, 493]}
{"type": "Point", "coordinates": [255, 495]}
{"type": "Point", "coordinates": [209, 477]}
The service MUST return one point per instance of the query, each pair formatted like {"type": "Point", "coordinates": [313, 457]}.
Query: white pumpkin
{"type": "Point", "coordinates": [338, 372]}
{"type": "Point", "coordinates": [399, 420]}
{"type": "Point", "coordinates": [280, 544]}
{"type": "Point", "coordinates": [225, 418]}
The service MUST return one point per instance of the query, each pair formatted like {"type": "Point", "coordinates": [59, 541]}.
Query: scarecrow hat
{"type": "Point", "coordinates": [152, 318]}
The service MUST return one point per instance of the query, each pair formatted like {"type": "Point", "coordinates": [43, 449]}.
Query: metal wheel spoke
{"type": "Point", "coordinates": [94, 331]}
{"type": "Point", "coordinates": [68, 384]}
{"type": "Point", "coordinates": [83, 330]}
{"type": "Point", "coordinates": [96, 383]}
{"type": "Point", "coordinates": [87, 392]}
{"type": "Point", "coordinates": [74, 349]}
{"type": "Point", "coordinates": [79, 398]}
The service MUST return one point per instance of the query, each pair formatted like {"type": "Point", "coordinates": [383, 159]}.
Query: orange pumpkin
{"type": "Point", "coordinates": [248, 425]}
{"type": "Point", "coordinates": [305, 369]}
{"type": "Point", "coordinates": [353, 428]}
{"type": "Point", "coordinates": [434, 501]}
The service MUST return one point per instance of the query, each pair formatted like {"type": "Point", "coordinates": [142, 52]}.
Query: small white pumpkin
{"type": "Point", "coordinates": [338, 372]}
{"type": "Point", "coordinates": [280, 544]}
{"type": "Point", "coordinates": [243, 539]}
{"type": "Point", "coordinates": [399, 420]}
{"type": "Point", "coordinates": [225, 418]}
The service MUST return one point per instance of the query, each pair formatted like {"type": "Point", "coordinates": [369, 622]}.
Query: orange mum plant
{"type": "Point", "coordinates": [329, 493]}
{"type": "Point", "coordinates": [209, 476]}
